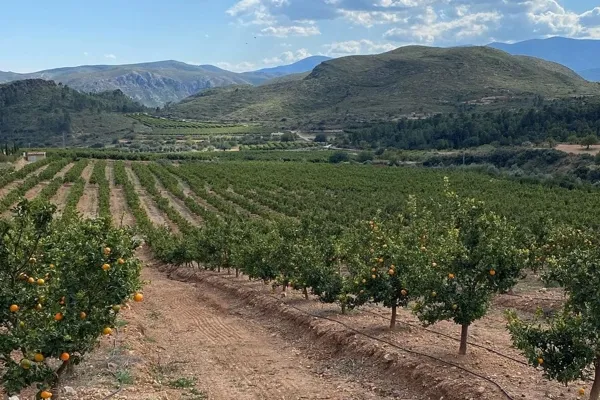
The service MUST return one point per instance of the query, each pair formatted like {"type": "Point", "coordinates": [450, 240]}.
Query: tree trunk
{"type": "Point", "coordinates": [343, 308]}
{"type": "Point", "coordinates": [393, 320]}
{"type": "Point", "coordinates": [305, 292]}
{"type": "Point", "coordinates": [464, 336]}
{"type": "Point", "coordinates": [228, 271]}
{"type": "Point", "coordinates": [595, 393]}
{"type": "Point", "coordinates": [237, 272]}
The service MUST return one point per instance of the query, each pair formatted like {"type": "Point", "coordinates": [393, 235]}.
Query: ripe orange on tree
{"type": "Point", "coordinates": [107, 251]}
{"type": "Point", "coordinates": [14, 308]}
{"type": "Point", "coordinates": [138, 297]}
{"type": "Point", "coordinates": [38, 357]}
{"type": "Point", "coordinates": [105, 267]}
{"type": "Point", "coordinates": [82, 315]}
{"type": "Point", "coordinates": [58, 316]}
{"type": "Point", "coordinates": [45, 394]}
{"type": "Point", "coordinates": [65, 357]}
{"type": "Point", "coordinates": [107, 331]}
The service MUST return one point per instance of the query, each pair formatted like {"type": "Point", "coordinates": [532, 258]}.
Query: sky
{"type": "Point", "coordinates": [243, 35]}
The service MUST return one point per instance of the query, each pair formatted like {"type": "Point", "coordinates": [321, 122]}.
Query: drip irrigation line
{"type": "Point", "coordinates": [452, 338]}
{"type": "Point", "coordinates": [497, 385]}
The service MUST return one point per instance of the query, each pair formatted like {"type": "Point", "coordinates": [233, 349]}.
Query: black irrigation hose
{"type": "Point", "coordinates": [497, 385]}
{"type": "Point", "coordinates": [451, 337]}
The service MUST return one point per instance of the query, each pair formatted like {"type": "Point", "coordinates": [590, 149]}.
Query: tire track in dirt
{"type": "Point", "coordinates": [121, 216]}
{"type": "Point", "coordinates": [87, 206]}
{"type": "Point", "coordinates": [232, 357]}
{"type": "Point", "coordinates": [155, 215]}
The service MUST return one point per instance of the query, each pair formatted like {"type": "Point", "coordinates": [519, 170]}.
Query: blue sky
{"type": "Point", "coordinates": [250, 34]}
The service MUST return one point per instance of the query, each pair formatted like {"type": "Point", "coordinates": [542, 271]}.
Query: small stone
{"type": "Point", "coordinates": [390, 357]}
{"type": "Point", "coordinates": [480, 390]}
{"type": "Point", "coordinates": [13, 398]}
{"type": "Point", "coordinates": [69, 391]}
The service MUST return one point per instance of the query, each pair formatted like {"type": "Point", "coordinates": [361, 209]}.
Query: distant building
{"type": "Point", "coordinates": [32, 156]}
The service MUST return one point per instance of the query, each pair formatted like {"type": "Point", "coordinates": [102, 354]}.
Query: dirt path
{"type": "Point", "coordinates": [118, 205]}
{"type": "Point", "coordinates": [60, 197]}
{"type": "Point", "coordinates": [8, 188]}
{"type": "Point", "coordinates": [178, 205]}
{"type": "Point", "coordinates": [156, 216]}
{"type": "Point", "coordinates": [88, 203]}
{"type": "Point", "coordinates": [188, 342]}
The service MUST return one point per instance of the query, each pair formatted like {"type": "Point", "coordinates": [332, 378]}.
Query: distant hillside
{"type": "Point", "coordinates": [305, 65]}
{"type": "Point", "coordinates": [577, 54]}
{"type": "Point", "coordinates": [591, 74]}
{"type": "Point", "coordinates": [156, 83]}
{"type": "Point", "coordinates": [287, 78]}
{"type": "Point", "coordinates": [39, 112]}
{"type": "Point", "coordinates": [389, 85]}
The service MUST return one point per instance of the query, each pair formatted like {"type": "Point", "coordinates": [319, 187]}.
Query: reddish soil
{"type": "Point", "coordinates": [88, 203]}
{"type": "Point", "coordinates": [118, 205]}
{"type": "Point", "coordinates": [189, 332]}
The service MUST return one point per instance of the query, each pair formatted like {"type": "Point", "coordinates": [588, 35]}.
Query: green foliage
{"type": "Point", "coordinates": [566, 346]}
{"type": "Point", "coordinates": [64, 263]}
{"type": "Point", "coordinates": [338, 157]}
{"type": "Point", "coordinates": [589, 140]}
{"type": "Point", "coordinates": [99, 177]}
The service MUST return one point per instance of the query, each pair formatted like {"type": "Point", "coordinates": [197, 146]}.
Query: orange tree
{"type": "Point", "coordinates": [567, 347]}
{"type": "Point", "coordinates": [60, 290]}
{"type": "Point", "coordinates": [476, 255]}
{"type": "Point", "coordinates": [388, 256]}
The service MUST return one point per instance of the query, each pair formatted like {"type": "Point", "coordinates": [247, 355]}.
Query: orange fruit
{"type": "Point", "coordinates": [106, 251]}
{"type": "Point", "coordinates": [38, 357]}
{"type": "Point", "coordinates": [45, 394]}
{"type": "Point", "coordinates": [454, 307]}
{"type": "Point", "coordinates": [107, 331]}
{"type": "Point", "coordinates": [450, 276]}
{"type": "Point", "coordinates": [433, 294]}
{"type": "Point", "coordinates": [14, 308]}
{"type": "Point", "coordinates": [403, 292]}
{"type": "Point", "coordinates": [105, 267]}
{"type": "Point", "coordinates": [364, 281]}
{"type": "Point", "coordinates": [373, 276]}
{"type": "Point", "coordinates": [423, 248]}
{"type": "Point", "coordinates": [31, 280]}
{"type": "Point", "coordinates": [62, 300]}
{"type": "Point", "coordinates": [25, 363]}
{"type": "Point", "coordinates": [138, 297]}
{"type": "Point", "coordinates": [373, 269]}
{"type": "Point", "coordinates": [65, 357]}
{"type": "Point", "coordinates": [391, 272]}
{"type": "Point", "coordinates": [41, 282]}
{"type": "Point", "coordinates": [380, 260]}
{"type": "Point", "coordinates": [52, 266]}
{"type": "Point", "coordinates": [121, 261]}
{"type": "Point", "coordinates": [38, 307]}
{"type": "Point", "coordinates": [58, 317]}
{"type": "Point", "coordinates": [82, 315]}
{"type": "Point", "coordinates": [581, 391]}
{"type": "Point", "coordinates": [540, 361]}
{"type": "Point", "coordinates": [116, 308]}
{"type": "Point", "coordinates": [32, 260]}
{"type": "Point", "coordinates": [492, 272]}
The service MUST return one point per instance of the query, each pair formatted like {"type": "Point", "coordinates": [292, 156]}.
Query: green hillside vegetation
{"type": "Point", "coordinates": [40, 112]}
{"type": "Point", "coordinates": [286, 78]}
{"type": "Point", "coordinates": [412, 79]}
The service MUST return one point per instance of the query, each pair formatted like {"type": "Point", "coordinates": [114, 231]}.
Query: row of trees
{"type": "Point", "coordinates": [444, 259]}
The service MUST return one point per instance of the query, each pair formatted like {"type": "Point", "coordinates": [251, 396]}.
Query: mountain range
{"type": "Point", "coordinates": [412, 79]}
{"type": "Point", "coordinates": [157, 83]}
{"type": "Point", "coordinates": [581, 55]}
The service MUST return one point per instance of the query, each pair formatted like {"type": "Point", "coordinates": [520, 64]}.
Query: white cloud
{"type": "Point", "coordinates": [363, 46]}
{"type": "Point", "coordinates": [444, 22]}
{"type": "Point", "coordinates": [295, 30]}
{"type": "Point", "coordinates": [239, 67]}
{"type": "Point", "coordinates": [287, 57]}
{"type": "Point", "coordinates": [111, 56]}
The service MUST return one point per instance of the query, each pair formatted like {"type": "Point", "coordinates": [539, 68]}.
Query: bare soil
{"type": "Point", "coordinates": [189, 193]}
{"type": "Point", "coordinates": [118, 205]}
{"type": "Point", "coordinates": [155, 215]}
{"type": "Point", "coordinates": [179, 205]}
{"type": "Point", "coordinates": [577, 149]}
{"type": "Point", "coordinates": [88, 203]}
